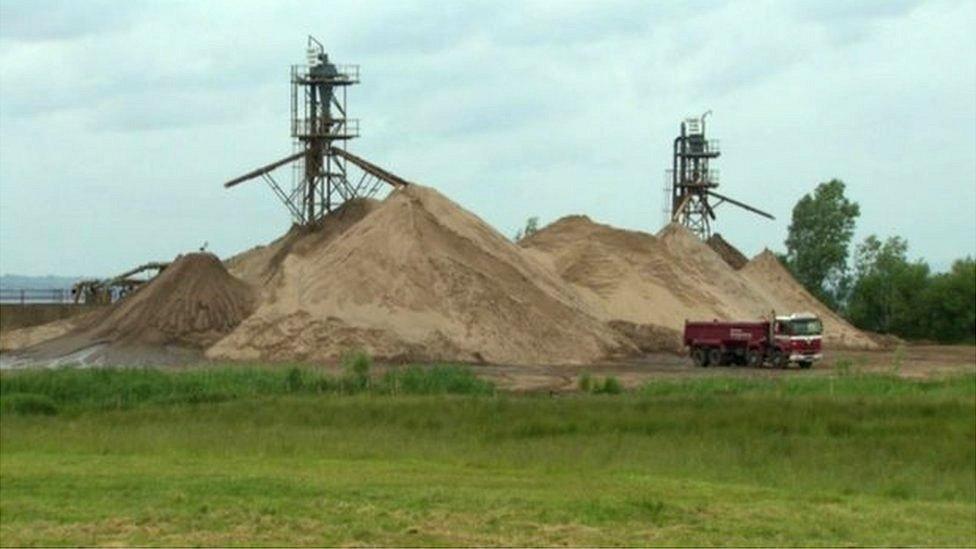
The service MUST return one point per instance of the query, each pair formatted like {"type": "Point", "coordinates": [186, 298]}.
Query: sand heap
{"type": "Point", "coordinates": [190, 305]}
{"type": "Point", "coordinates": [260, 265]}
{"type": "Point", "coordinates": [789, 295]}
{"type": "Point", "coordinates": [21, 338]}
{"type": "Point", "coordinates": [621, 275]}
{"type": "Point", "coordinates": [663, 280]}
{"type": "Point", "coordinates": [728, 252]}
{"type": "Point", "coordinates": [419, 278]}
{"type": "Point", "coordinates": [194, 302]}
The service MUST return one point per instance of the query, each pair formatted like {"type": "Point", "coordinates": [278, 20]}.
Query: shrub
{"type": "Point", "coordinates": [585, 383]}
{"type": "Point", "coordinates": [356, 365]}
{"type": "Point", "coordinates": [611, 386]}
{"type": "Point", "coordinates": [28, 403]}
{"type": "Point", "coordinates": [293, 380]}
{"type": "Point", "coordinates": [439, 379]}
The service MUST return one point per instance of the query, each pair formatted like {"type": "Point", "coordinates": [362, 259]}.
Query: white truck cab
{"type": "Point", "coordinates": [802, 335]}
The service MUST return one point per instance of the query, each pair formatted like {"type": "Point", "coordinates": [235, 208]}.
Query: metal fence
{"type": "Point", "coordinates": [26, 296]}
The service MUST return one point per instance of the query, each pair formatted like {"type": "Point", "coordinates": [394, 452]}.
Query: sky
{"type": "Point", "coordinates": [119, 121]}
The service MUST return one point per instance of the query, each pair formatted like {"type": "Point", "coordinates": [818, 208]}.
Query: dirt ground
{"type": "Point", "coordinates": [919, 362]}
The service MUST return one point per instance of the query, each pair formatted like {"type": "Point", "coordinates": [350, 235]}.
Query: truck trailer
{"type": "Point", "coordinates": [793, 339]}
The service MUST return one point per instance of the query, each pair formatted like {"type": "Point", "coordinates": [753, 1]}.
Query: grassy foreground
{"type": "Point", "coordinates": [285, 457]}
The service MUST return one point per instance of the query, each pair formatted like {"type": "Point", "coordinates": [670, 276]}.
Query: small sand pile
{"type": "Point", "coordinates": [194, 302]}
{"type": "Point", "coordinates": [13, 340]}
{"type": "Point", "coordinates": [660, 281]}
{"type": "Point", "coordinates": [190, 305]}
{"type": "Point", "coordinates": [420, 278]}
{"type": "Point", "coordinates": [788, 295]}
{"type": "Point", "coordinates": [728, 252]}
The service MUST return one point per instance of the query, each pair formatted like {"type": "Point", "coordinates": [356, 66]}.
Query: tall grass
{"type": "Point", "coordinates": [786, 461]}
{"type": "Point", "coordinates": [882, 434]}
{"type": "Point", "coordinates": [860, 385]}
{"type": "Point", "coordinates": [120, 388]}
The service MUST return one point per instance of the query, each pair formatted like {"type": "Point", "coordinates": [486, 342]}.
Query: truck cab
{"type": "Point", "coordinates": [799, 337]}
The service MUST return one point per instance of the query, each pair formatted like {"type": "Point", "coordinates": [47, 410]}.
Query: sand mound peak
{"type": "Point", "coordinates": [258, 266]}
{"type": "Point", "coordinates": [674, 230]}
{"type": "Point", "coordinates": [419, 278]}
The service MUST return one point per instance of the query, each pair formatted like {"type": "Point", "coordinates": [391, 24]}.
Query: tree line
{"type": "Point", "coordinates": [876, 287]}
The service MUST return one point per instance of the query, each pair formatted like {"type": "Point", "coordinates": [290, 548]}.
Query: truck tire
{"type": "Point", "coordinates": [805, 364]}
{"type": "Point", "coordinates": [715, 357]}
{"type": "Point", "coordinates": [700, 357]}
{"type": "Point", "coordinates": [754, 358]}
{"type": "Point", "coordinates": [779, 359]}
{"type": "Point", "coordinates": [738, 357]}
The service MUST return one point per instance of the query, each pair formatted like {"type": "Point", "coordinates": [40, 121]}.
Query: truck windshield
{"type": "Point", "coordinates": [811, 326]}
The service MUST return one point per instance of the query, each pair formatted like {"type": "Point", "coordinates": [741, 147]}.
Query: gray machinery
{"type": "Point", "coordinates": [693, 182]}
{"type": "Point", "coordinates": [320, 130]}
{"type": "Point", "coordinates": [107, 290]}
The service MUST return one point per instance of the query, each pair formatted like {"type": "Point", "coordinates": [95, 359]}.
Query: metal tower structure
{"type": "Point", "coordinates": [320, 129]}
{"type": "Point", "coordinates": [692, 182]}
{"type": "Point", "coordinates": [319, 125]}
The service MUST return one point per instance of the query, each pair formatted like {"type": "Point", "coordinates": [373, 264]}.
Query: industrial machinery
{"type": "Point", "coordinates": [107, 290]}
{"type": "Point", "coordinates": [692, 182]}
{"type": "Point", "coordinates": [793, 339]}
{"type": "Point", "coordinates": [320, 129]}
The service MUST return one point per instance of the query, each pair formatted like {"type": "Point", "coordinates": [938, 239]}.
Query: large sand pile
{"type": "Point", "coordinates": [260, 265]}
{"type": "Point", "coordinates": [622, 275]}
{"type": "Point", "coordinates": [665, 279]}
{"type": "Point", "coordinates": [416, 277]}
{"type": "Point", "coordinates": [420, 278]}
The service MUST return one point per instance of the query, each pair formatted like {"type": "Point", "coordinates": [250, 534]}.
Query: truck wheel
{"type": "Point", "coordinates": [700, 357]}
{"type": "Point", "coordinates": [805, 365]}
{"type": "Point", "coordinates": [715, 357]}
{"type": "Point", "coordinates": [754, 358]}
{"type": "Point", "coordinates": [779, 359]}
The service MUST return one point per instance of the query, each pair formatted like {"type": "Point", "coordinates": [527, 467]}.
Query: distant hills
{"type": "Point", "coordinates": [49, 282]}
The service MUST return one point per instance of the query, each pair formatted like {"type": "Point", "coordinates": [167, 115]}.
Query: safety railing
{"type": "Point", "coordinates": [346, 74]}
{"type": "Point", "coordinates": [342, 128]}
{"type": "Point", "coordinates": [710, 177]}
{"type": "Point", "coordinates": [33, 295]}
{"type": "Point", "coordinates": [709, 147]}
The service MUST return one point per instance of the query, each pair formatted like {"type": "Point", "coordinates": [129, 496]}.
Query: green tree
{"type": "Point", "coordinates": [950, 304]}
{"type": "Point", "coordinates": [531, 227]}
{"type": "Point", "coordinates": [888, 293]}
{"type": "Point", "coordinates": [818, 241]}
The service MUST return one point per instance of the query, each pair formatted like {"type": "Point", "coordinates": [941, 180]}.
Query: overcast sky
{"type": "Point", "coordinates": [120, 120]}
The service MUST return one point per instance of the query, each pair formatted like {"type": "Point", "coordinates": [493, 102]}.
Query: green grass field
{"type": "Point", "coordinates": [235, 456]}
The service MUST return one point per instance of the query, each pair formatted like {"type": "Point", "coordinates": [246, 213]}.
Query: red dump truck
{"type": "Point", "coordinates": [794, 339]}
